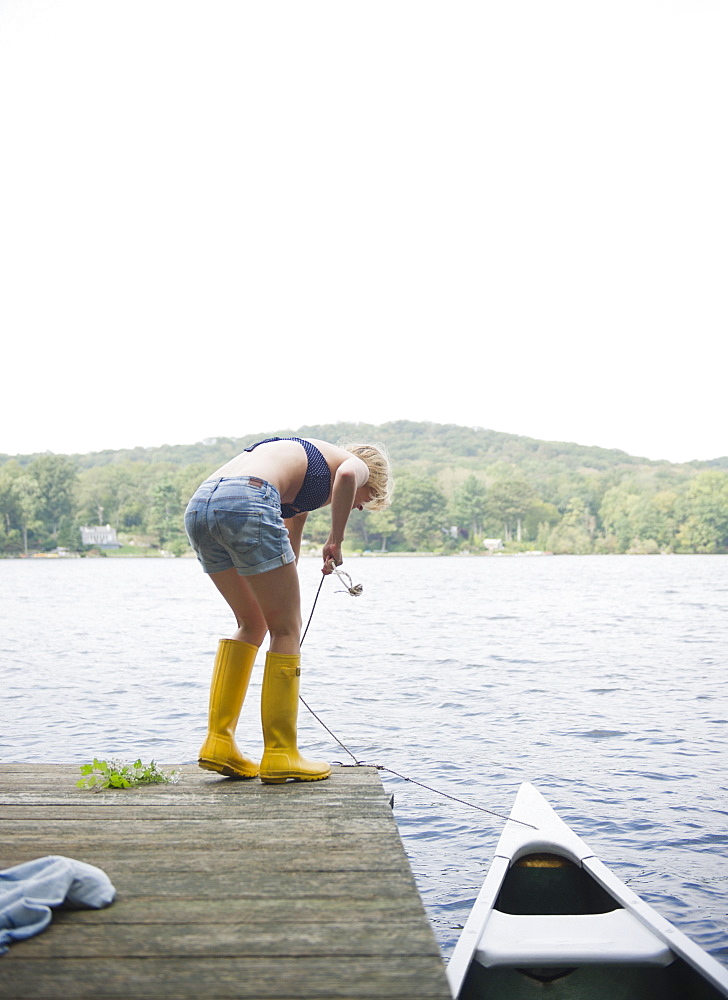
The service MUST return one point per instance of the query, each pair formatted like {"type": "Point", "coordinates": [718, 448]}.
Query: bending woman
{"type": "Point", "coordinates": [245, 524]}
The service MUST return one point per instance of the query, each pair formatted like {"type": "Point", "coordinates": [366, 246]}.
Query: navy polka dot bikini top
{"type": "Point", "coordinates": [316, 484]}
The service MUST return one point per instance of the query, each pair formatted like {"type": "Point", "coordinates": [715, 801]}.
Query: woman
{"type": "Point", "coordinates": [246, 523]}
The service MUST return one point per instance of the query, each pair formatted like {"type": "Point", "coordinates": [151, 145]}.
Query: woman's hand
{"type": "Point", "coordinates": [332, 557]}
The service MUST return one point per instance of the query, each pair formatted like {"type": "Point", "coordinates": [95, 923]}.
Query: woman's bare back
{"type": "Point", "coordinates": [282, 463]}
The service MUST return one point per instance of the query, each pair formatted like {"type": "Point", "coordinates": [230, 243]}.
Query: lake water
{"type": "Point", "coordinates": [600, 679]}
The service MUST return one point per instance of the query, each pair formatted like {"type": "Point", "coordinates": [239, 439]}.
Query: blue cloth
{"type": "Point", "coordinates": [28, 891]}
{"type": "Point", "coordinates": [316, 484]}
{"type": "Point", "coordinates": [237, 522]}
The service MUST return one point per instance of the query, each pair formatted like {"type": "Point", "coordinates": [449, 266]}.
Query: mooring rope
{"type": "Point", "coordinates": [356, 590]}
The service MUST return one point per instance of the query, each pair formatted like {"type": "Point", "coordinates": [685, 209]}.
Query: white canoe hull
{"type": "Point", "coordinates": [613, 945]}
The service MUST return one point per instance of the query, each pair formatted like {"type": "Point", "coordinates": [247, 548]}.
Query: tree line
{"type": "Point", "coordinates": [456, 487]}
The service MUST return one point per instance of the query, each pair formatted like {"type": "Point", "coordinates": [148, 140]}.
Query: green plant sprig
{"type": "Point", "coordinates": [116, 774]}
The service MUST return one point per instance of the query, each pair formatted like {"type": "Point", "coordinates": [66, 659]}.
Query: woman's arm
{"type": "Point", "coordinates": [350, 475]}
{"type": "Point", "coordinates": [295, 531]}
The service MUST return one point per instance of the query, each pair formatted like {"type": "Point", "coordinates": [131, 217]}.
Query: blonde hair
{"type": "Point", "coordinates": [380, 482]}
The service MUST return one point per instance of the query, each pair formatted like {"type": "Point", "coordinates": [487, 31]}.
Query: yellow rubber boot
{"type": "Point", "coordinates": [279, 711]}
{"type": "Point", "coordinates": [230, 678]}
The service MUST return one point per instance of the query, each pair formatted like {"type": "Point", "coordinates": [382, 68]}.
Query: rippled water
{"type": "Point", "coordinates": [599, 679]}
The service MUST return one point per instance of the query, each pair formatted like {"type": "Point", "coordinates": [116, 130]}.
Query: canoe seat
{"type": "Point", "coordinates": [586, 939]}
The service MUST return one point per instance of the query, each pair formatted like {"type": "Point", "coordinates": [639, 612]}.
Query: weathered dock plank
{"type": "Point", "coordinates": [226, 889]}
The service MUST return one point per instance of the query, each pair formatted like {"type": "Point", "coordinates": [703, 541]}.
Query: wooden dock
{"type": "Point", "coordinates": [224, 889]}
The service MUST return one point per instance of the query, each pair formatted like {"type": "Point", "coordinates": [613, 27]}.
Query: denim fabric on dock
{"type": "Point", "coordinates": [28, 891]}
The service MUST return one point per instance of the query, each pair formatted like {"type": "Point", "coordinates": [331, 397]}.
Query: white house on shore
{"type": "Point", "coordinates": [101, 535]}
{"type": "Point", "coordinates": [493, 544]}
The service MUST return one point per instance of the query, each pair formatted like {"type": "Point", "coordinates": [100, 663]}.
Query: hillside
{"type": "Point", "coordinates": [427, 445]}
{"type": "Point", "coordinates": [455, 486]}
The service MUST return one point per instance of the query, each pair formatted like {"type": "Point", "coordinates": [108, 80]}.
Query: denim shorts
{"type": "Point", "coordinates": [237, 523]}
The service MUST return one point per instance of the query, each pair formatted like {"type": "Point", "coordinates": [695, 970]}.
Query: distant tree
{"type": "Point", "coordinates": [382, 524]}
{"type": "Point", "coordinates": [29, 505]}
{"type": "Point", "coordinates": [419, 508]}
{"type": "Point", "coordinates": [638, 520]}
{"type": "Point", "coordinates": [56, 477]}
{"type": "Point", "coordinates": [509, 501]}
{"type": "Point", "coordinates": [705, 510]}
{"type": "Point", "coordinates": [469, 507]}
{"type": "Point", "coordinates": [114, 494]}
{"type": "Point", "coordinates": [572, 534]}
{"type": "Point", "coordinates": [165, 516]}
{"type": "Point", "coordinates": [665, 504]}
{"type": "Point", "coordinates": [10, 510]}
{"type": "Point", "coordinates": [187, 479]}
{"type": "Point", "coordinates": [619, 514]}
{"type": "Point", "coordinates": [541, 518]}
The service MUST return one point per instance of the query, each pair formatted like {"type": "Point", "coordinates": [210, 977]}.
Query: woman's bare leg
{"type": "Point", "coordinates": [279, 598]}
{"type": "Point", "coordinates": [266, 602]}
{"type": "Point", "coordinates": [238, 594]}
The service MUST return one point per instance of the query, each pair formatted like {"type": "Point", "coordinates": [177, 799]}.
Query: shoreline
{"type": "Point", "coordinates": [528, 553]}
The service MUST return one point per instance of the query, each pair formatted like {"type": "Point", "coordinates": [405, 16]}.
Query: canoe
{"type": "Point", "coordinates": [552, 921]}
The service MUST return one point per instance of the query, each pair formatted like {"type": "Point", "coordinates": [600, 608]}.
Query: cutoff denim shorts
{"type": "Point", "coordinates": [237, 522]}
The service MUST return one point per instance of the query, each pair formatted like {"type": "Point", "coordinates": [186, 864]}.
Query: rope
{"type": "Point", "coordinates": [356, 590]}
{"type": "Point", "coordinates": [454, 798]}
{"type": "Point", "coordinates": [357, 763]}
{"type": "Point", "coordinates": [311, 616]}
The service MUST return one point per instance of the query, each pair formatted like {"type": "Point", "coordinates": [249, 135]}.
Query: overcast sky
{"type": "Point", "coordinates": [218, 218]}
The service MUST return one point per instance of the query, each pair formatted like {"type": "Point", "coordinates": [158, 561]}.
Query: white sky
{"type": "Point", "coordinates": [225, 217]}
